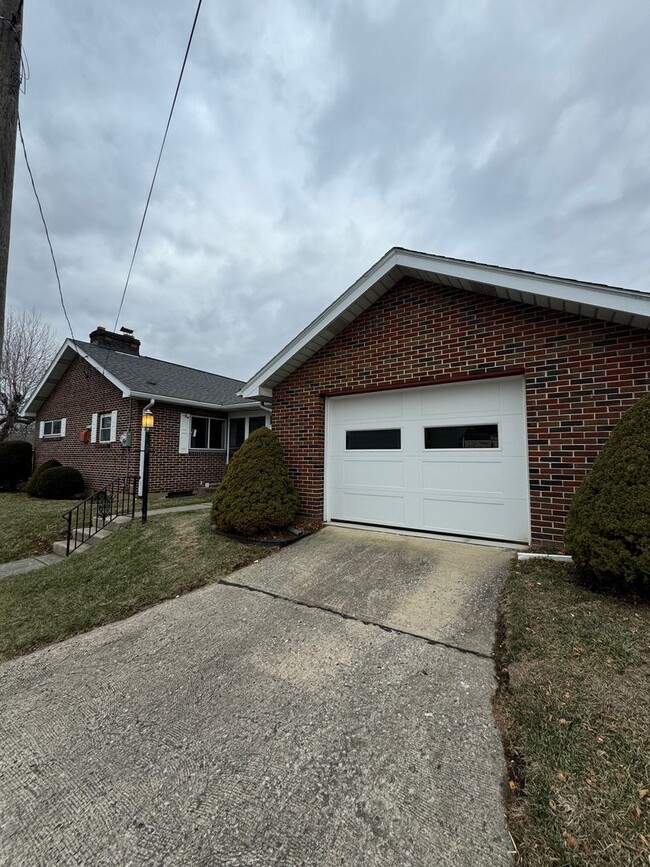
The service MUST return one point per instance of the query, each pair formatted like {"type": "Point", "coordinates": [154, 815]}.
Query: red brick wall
{"type": "Point", "coordinates": [581, 375]}
{"type": "Point", "coordinates": [170, 470]}
{"type": "Point", "coordinates": [83, 391]}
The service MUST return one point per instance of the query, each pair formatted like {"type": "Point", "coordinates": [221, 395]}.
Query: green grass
{"type": "Point", "coordinates": [574, 706]}
{"type": "Point", "coordinates": [161, 501]}
{"type": "Point", "coordinates": [29, 526]}
{"type": "Point", "coordinates": [139, 565]}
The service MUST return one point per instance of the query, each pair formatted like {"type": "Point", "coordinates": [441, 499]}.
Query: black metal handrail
{"type": "Point", "coordinates": [95, 512]}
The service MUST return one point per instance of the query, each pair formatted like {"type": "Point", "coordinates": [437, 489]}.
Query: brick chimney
{"type": "Point", "coordinates": [125, 342]}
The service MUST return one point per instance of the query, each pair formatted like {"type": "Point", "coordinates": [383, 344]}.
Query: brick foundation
{"type": "Point", "coordinates": [581, 375]}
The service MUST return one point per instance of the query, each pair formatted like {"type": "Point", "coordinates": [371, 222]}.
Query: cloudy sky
{"type": "Point", "coordinates": [309, 138]}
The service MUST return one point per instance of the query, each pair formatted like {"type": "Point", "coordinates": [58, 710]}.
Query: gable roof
{"type": "Point", "coordinates": [595, 300]}
{"type": "Point", "coordinates": [142, 377]}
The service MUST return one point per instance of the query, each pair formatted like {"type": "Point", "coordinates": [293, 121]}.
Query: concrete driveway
{"type": "Point", "coordinates": [239, 726]}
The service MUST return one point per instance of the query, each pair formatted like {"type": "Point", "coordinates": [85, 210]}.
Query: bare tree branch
{"type": "Point", "coordinates": [28, 349]}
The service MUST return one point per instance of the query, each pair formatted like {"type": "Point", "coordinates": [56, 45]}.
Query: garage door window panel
{"type": "Point", "coordinates": [484, 436]}
{"type": "Point", "coordinates": [378, 439]}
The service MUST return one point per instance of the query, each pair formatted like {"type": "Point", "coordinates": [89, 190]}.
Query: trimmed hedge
{"type": "Point", "coordinates": [256, 494]}
{"type": "Point", "coordinates": [608, 526]}
{"type": "Point", "coordinates": [30, 487]}
{"type": "Point", "coordinates": [59, 483]}
{"type": "Point", "coordinates": [15, 463]}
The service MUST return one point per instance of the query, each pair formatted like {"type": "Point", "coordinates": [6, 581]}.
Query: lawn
{"type": "Point", "coordinates": [29, 526]}
{"type": "Point", "coordinates": [574, 706]}
{"type": "Point", "coordinates": [139, 565]}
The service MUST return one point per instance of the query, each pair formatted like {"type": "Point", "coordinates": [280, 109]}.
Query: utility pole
{"type": "Point", "coordinates": [11, 33]}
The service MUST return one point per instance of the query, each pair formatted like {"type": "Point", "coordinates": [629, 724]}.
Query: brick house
{"type": "Point", "coordinates": [446, 396]}
{"type": "Point", "coordinates": [88, 411]}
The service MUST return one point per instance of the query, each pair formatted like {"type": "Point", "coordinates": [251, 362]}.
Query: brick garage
{"type": "Point", "coordinates": [580, 373]}
{"type": "Point", "coordinates": [108, 377]}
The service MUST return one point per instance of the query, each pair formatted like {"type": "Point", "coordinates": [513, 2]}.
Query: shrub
{"type": "Point", "coordinates": [608, 526]}
{"type": "Point", "coordinates": [59, 483]}
{"type": "Point", "coordinates": [30, 487]}
{"type": "Point", "coordinates": [15, 463]}
{"type": "Point", "coordinates": [256, 494]}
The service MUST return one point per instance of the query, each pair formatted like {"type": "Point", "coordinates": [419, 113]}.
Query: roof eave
{"type": "Point", "coordinates": [587, 299]}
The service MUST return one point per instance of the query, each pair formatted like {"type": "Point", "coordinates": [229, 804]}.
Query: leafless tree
{"type": "Point", "coordinates": [29, 347]}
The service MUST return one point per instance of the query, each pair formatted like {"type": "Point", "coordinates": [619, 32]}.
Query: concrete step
{"type": "Point", "coordinates": [81, 535]}
{"type": "Point", "coordinates": [97, 535]}
{"type": "Point", "coordinates": [59, 548]}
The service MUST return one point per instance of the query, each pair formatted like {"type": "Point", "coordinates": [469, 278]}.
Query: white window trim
{"type": "Point", "coordinates": [52, 436]}
{"type": "Point", "coordinates": [96, 428]}
{"type": "Point", "coordinates": [224, 423]}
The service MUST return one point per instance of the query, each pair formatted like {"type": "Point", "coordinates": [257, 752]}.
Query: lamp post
{"type": "Point", "coordinates": [147, 427]}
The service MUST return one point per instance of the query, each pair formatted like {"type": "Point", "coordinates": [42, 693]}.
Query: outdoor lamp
{"type": "Point", "coordinates": [147, 427]}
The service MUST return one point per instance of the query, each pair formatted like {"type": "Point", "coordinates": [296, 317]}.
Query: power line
{"type": "Point", "coordinates": [162, 147]}
{"type": "Point", "coordinates": [47, 233]}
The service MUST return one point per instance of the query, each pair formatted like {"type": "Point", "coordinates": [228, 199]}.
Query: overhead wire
{"type": "Point", "coordinates": [47, 231]}
{"type": "Point", "coordinates": [160, 153]}
{"type": "Point", "coordinates": [153, 179]}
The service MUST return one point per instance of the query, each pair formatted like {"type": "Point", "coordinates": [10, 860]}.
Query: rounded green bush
{"type": "Point", "coordinates": [608, 526]}
{"type": "Point", "coordinates": [15, 463]}
{"type": "Point", "coordinates": [59, 483]}
{"type": "Point", "coordinates": [30, 487]}
{"type": "Point", "coordinates": [256, 494]}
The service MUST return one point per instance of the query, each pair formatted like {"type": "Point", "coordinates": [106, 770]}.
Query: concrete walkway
{"type": "Point", "coordinates": [30, 564]}
{"type": "Point", "coordinates": [234, 726]}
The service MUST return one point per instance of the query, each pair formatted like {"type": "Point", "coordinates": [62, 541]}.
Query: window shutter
{"type": "Point", "coordinates": [113, 426]}
{"type": "Point", "coordinates": [41, 430]}
{"type": "Point", "coordinates": [93, 428]}
{"type": "Point", "coordinates": [63, 421]}
{"type": "Point", "coordinates": [184, 436]}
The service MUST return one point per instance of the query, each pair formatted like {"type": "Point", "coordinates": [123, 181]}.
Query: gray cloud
{"type": "Point", "coordinates": [310, 138]}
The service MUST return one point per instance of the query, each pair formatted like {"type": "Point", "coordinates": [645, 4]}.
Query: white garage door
{"type": "Point", "coordinates": [447, 459]}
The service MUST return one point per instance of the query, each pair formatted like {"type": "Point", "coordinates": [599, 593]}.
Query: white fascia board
{"type": "Point", "coordinates": [68, 346]}
{"type": "Point", "coordinates": [100, 367]}
{"type": "Point", "coordinates": [557, 289]}
{"type": "Point", "coordinates": [631, 301]}
{"type": "Point", "coordinates": [256, 385]}
{"type": "Point", "coordinates": [46, 377]}
{"type": "Point", "coordinates": [199, 404]}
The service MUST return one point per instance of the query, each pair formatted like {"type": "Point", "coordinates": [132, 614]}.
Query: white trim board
{"type": "Point", "coordinates": [613, 304]}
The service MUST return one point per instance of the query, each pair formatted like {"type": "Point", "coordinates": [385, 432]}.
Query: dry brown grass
{"type": "Point", "coordinates": [573, 706]}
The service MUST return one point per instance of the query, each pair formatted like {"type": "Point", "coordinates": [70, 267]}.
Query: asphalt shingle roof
{"type": "Point", "coordinates": [163, 378]}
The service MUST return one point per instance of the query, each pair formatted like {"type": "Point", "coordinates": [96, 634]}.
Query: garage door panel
{"type": "Point", "coordinates": [373, 508]}
{"type": "Point", "coordinates": [473, 399]}
{"type": "Point", "coordinates": [472, 479]}
{"type": "Point", "coordinates": [478, 487]}
{"type": "Point", "coordinates": [467, 518]}
{"type": "Point", "coordinates": [371, 473]}
{"type": "Point", "coordinates": [373, 407]}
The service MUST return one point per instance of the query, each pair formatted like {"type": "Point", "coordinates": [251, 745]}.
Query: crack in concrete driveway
{"type": "Point", "coordinates": [232, 728]}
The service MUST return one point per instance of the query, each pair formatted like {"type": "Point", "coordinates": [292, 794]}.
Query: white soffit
{"type": "Point", "coordinates": [629, 307]}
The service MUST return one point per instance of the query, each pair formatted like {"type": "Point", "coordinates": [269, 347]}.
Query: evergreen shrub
{"type": "Point", "coordinates": [30, 487]}
{"type": "Point", "coordinates": [256, 494]}
{"type": "Point", "coordinates": [608, 526]}
{"type": "Point", "coordinates": [59, 483]}
{"type": "Point", "coordinates": [15, 463]}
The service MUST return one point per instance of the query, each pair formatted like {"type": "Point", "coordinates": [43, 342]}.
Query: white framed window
{"type": "Point", "coordinates": [207, 433]}
{"type": "Point", "coordinates": [52, 428]}
{"type": "Point", "coordinates": [103, 427]}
